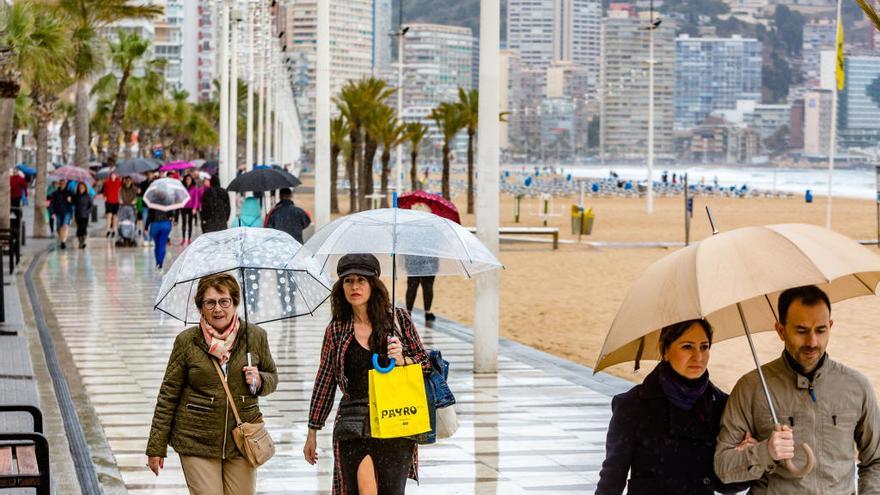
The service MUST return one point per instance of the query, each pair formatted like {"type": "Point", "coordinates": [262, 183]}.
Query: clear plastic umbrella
{"type": "Point", "coordinates": [274, 285]}
{"type": "Point", "coordinates": [166, 195]}
{"type": "Point", "coordinates": [414, 243]}
{"type": "Point", "coordinates": [410, 242]}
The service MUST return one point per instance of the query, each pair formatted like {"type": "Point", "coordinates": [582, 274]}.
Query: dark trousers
{"type": "Point", "coordinates": [391, 460]}
{"type": "Point", "coordinates": [82, 227]}
{"type": "Point", "coordinates": [412, 287]}
{"type": "Point", "coordinates": [186, 223]}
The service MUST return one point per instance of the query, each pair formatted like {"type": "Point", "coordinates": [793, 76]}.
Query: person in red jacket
{"type": "Point", "coordinates": [17, 188]}
{"type": "Point", "coordinates": [112, 185]}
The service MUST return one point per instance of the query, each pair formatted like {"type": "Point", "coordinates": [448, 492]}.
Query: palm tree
{"type": "Point", "coordinates": [66, 112]}
{"type": "Point", "coordinates": [125, 54]}
{"type": "Point", "coordinates": [870, 12]}
{"type": "Point", "coordinates": [88, 17]}
{"type": "Point", "coordinates": [46, 77]}
{"type": "Point", "coordinates": [469, 104]}
{"type": "Point", "coordinates": [356, 101]}
{"type": "Point", "coordinates": [338, 132]}
{"type": "Point", "coordinates": [389, 133]}
{"type": "Point", "coordinates": [32, 40]}
{"type": "Point", "coordinates": [144, 109]}
{"type": "Point", "coordinates": [415, 134]}
{"type": "Point", "coordinates": [450, 120]}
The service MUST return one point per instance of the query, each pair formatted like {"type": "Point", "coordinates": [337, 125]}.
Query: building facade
{"type": "Point", "coordinates": [819, 35]}
{"type": "Point", "coordinates": [713, 74]}
{"type": "Point", "coordinates": [817, 122]}
{"type": "Point", "coordinates": [543, 31]}
{"type": "Point", "coordinates": [624, 86]}
{"type": "Point", "coordinates": [859, 103]}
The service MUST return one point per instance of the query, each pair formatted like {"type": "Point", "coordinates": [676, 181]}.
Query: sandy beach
{"type": "Point", "coordinates": [564, 301]}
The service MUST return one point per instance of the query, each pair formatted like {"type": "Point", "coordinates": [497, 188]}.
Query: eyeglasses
{"type": "Point", "coordinates": [211, 304]}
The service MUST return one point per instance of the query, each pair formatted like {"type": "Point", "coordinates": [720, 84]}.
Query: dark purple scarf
{"type": "Point", "coordinates": [681, 391]}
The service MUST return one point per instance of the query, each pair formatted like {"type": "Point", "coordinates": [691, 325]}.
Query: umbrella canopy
{"type": "Point", "coordinates": [198, 162]}
{"type": "Point", "coordinates": [439, 205]}
{"type": "Point", "coordinates": [749, 266]}
{"type": "Point", "coordinates": [26, 170]}
{"type": "Point", "coordinates": [429, 245]}
{"type": "Point", "coordinates": [274, 285]}
{"type": "Point", "coordinates": [211, 166]}
{"type": "Point", "coordinates": [103, 173]}
{"type": "Point", "coordinates": [135, 166]}
{"type": "Point", "coordinates": [73, 174]}
{"type": "Point", "coordinates": [166, 195]}
{"type": "Point", "coordinates": [262, 180]}
{"type": "Point", "coordinates": [176, 165]}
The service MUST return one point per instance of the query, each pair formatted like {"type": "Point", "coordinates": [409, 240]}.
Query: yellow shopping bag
{"type": "Point", "coordinates": [398, 404]}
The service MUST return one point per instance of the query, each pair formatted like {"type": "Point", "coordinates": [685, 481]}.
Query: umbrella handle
{"type": "Point", "coordinates": [807, 467]}
{"type": "Point", "coordinates": [379, 368]}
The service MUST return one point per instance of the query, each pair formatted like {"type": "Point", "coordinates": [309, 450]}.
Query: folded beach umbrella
{"type": "Point", "coordinates": [734, 279]}
{"type": "Point", "coordinates": [274, 285]}
{"type": "Point", "coordinates": [166, 195]}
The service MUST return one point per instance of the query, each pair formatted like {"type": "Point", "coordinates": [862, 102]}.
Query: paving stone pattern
{"type": "Point", "coordinates": [526, 429]}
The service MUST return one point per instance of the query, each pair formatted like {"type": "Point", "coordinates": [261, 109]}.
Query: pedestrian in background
{"type": "Point", "coordinates": [192, 414]}
{"type": "Point", "coordinates": [215, 207]}
{"type": "Point", "coordinates": [112, 186]}
{"type": "Point", "coordinates": [288, 217]}
{"type": "Point", "coordinates": [82, 208]}
{"type": "Point", "coordinates": [61, 202]}
{"type": "Point", "coordinates": [188, 211]}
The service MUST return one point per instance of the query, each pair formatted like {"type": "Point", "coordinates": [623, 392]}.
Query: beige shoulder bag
{"type": "Point", "coordinates": [252, 439]}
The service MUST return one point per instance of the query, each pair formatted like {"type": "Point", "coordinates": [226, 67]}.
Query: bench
{"type": "Point", "coordinates": [551, 231]}
{"type": "Point", "coordinates": [24, 457]}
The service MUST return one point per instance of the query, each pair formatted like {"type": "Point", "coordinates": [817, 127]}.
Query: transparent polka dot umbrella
{"type": "Point", "coordinates": [274, 285]}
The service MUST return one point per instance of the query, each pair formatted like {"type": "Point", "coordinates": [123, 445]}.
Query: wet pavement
{"type": "Point", "coordinates": [537, 426]}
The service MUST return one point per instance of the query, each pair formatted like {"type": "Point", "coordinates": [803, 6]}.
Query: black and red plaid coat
{"type": "Point", "coordinates": [331, 373]}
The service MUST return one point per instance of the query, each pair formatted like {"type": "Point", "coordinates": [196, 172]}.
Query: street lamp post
{"type": "Point", "coordinates": [322, 117]}
{"type": "Point", "coordinates": [249, 139]}
{"type": "Point", "coordinates": [222, 49]}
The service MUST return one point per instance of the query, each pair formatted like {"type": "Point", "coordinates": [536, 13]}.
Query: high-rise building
{"type": "Point", "coordinates": [546, 30]}
{"type": "Point", "coordinates": [437, 60]}
{"type": "Point", "coordinates": [817, 122]}
{"type": "Point", "coordinates": [351, 49]}
{"type": "Point", "coordinates": [168, 42]}
{"type": "Point", "coordinates": [859, 102]}
{"type": "Point", "coordinates": [624, 85]}
{"type": "Point", "coordinates": [383, 35]}
{"type": "Point", "coordinates": [713, 74]}
{"type": "Point", "coordinates": [207, 52]}
{"type": "Point", "coordinates": [819, 35]}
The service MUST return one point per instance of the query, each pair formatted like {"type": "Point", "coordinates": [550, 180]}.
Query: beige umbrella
{"type": "Point", "coordinates": [733, 279]}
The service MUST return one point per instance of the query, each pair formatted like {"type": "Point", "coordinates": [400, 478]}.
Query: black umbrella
{"type": "Point", "coordinates": [136, 166]}
{"type": "Point", "coordinates": [211, 167]}
{"type": "Point", "coordinates": [262, 180]}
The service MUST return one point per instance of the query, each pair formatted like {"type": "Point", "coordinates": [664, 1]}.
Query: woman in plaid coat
{"type": "Point", "coordinates": [362, 325]}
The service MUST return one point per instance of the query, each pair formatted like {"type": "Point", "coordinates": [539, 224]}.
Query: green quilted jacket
{"type": "Point", "coordinates": [192, 413]}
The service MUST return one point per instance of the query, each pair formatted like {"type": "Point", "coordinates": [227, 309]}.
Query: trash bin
{"type": "Point", "coordinates": [808, 197]}
{"type": "Point", "coordinates": [581, 220]}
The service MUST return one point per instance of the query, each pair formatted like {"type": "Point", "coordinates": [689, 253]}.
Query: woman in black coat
{"type": "Point", "coordinates": [82, 208]}
{"type": "Point", "coordinates": [663, 432]}
{"type": "Point", "coordinates": [215, 207]}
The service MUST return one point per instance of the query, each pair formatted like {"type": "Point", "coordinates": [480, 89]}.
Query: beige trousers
{"type": "Point", "coordinates": [207, 476]}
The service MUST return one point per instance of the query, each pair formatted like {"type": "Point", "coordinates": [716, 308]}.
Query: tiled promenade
{"type": "Point", "coordinates": [537, 426]}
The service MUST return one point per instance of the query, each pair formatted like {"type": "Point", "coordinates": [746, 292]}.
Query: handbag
{"type": "Point", "coordinates": [353, 421]}
{"type": "Point", "coordinates": [447, 422]}
{"type": "Point", "coordinates": [252, 439]}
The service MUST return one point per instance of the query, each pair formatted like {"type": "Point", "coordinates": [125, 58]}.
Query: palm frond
{"type": "Point", "coordinates": [870, 12]}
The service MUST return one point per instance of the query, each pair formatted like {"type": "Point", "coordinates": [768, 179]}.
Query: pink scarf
{"type": "Point", "coordinates": [220, 344]}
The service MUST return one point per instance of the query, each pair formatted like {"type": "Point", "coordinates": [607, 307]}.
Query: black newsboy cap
{"type": "Point", "coordinates": [358, 263]}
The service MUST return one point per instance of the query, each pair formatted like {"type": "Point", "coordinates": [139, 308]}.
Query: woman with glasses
{"type": "Point", "coordinates": [362, 325]}
{"type": "Point", "coordinates": [192, 411]}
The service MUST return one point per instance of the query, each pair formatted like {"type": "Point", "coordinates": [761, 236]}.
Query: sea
{"type": "Point", "coordinates": [858, 183]}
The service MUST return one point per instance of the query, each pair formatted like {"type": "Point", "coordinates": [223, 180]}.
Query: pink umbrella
{"type": "Point", "coordinates": [439, 205]}
{"type": "Point", "coordinates": [176, 165]}
{"type": "Point", "coordinates": [68, 172]}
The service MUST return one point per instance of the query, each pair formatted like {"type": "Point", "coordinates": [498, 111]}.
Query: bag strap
{"type": "Point", "coordinates": [228, 393]}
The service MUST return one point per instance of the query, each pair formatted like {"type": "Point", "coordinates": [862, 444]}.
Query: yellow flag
{"type": "Point", "coordinates": [840, 69]}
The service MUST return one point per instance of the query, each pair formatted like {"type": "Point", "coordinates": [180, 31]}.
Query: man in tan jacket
{"type": "Point", "coordinates": [820, 402]}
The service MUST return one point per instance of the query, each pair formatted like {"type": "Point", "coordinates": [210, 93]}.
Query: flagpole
{"type": "Point", "coordinates": [838, 80]}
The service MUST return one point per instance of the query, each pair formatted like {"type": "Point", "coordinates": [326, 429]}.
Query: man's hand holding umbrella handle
{"type": "Point", "coordinates": [781, 448]}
